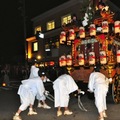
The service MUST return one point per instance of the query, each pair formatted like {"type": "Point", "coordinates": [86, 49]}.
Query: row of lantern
{"type": "Point", "coordinates": [92, 31]}
{"type": "Point", "coordinates": [66, 60]}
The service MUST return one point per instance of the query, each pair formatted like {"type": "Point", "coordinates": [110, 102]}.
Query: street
{"type": "Point", "coordinates": [9, 103]}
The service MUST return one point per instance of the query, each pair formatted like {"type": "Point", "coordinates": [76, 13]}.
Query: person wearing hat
{"type": "Point", "coordinates": [41, 99]}
{"type": "Point", "coordinates": [45, 79]}
{"type": "Point", "coordinates": [99, 83]}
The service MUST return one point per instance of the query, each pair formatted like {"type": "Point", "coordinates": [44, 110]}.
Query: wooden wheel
{"type": "Point", "coordinates": [116, 90]}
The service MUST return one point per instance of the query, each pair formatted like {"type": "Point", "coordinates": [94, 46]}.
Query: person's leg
{"type": "Point", "coordinates": [45, 105]}
{"type": "Point", "coordinates": [105, 107]}
{"type": "Point", "coordinates": [101, 114]}
{"type": "Point", "coordinates": [66, 108]}
{"type": "Point", "coordinates": [17, 115]}
{"type": "Point", "coordinates": [104, 114]}
{"type": "Point", "coordinates": [67, 111]}
{"type": "Point", "coordinates": [31, 103]}
{"type": "Point", "coordinates": [42, 103]}
{"type": "Point", "coordinates": [22, 107]}
{"type": "Point", "coordinates": [59, 108]}
{"type": "Point", "coordinates": [31, 111]}
{"type": "Point", "coordinates": [59, 112]}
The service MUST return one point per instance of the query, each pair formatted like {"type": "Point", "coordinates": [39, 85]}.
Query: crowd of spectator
{"type": "Point", "coordinates": [20, 72]}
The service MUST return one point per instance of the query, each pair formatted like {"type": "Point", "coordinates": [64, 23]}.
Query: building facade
{"type": "Point", "coordinates": [49, 49]}
{"type": "Point", "coordinates": [45, 46]}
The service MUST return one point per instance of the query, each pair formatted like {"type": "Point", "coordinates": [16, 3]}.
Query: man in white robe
{"type": "Point", "coordinates": [27, 92]}
{"type": "Point", "coordinates": [99, 83]}
{"type": "Point", "coordinates": [41, 99]}
{"type": "Point", "coordinates": [63, 86]}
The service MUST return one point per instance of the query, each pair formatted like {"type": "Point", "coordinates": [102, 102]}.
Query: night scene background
{"type": "Point", "coordinates": [12, 25]}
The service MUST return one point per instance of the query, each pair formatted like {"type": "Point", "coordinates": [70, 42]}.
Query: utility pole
{"type": "Point", "coordinates": [24, 22]}
{"type": "Point", "coordinates": [23, 14]}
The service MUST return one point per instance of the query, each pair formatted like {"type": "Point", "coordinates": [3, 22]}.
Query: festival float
{"type": "Point", "coordinates": [94, 43]}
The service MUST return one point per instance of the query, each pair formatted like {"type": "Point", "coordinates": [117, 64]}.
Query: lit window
{"type": "Point", "coordinates": [38, 28]}
{"type": "Point", "coordinates": [66, 19]}
{"type": "Point", "coordinates": [35, 46]}
{"type": "Point", "coordinates": [50, 25]}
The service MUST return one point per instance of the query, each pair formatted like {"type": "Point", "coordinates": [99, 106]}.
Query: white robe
{"type": "Point", "coordinates": [63, 86]}
{"type": "Point", "coordinates": [33, 72]}
{"type": "Point", "coordinates": [98, 83]}
{"type": "Point", "coordinates": [28, 90]}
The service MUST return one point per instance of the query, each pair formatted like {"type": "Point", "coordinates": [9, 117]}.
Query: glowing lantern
{"type": "Point", "coordinates": [69, 60]}
{"type": "Point", "coordinates": [62, 61]}
{"type": "Point", "coordinates": [118, 56]}
{"type": "Point", "coordinates": [105, 27]}
{"type": "Point", "coordinates": [63, 37]}
{"type": "Point", "coordinates": [4, 84]}
{"type": "Point", "coordinates": [91, 58]}
{"type": "Point", "coordinates": [52, 63]}
{"type": "Point", "coordinates": [71, 34]}
{"type": "Point", "coordinates": [103, 59]}
{"type": "Point", "coordinates": [117, 26]}
{"type": "Point", "coordinates": [82, 32]}
{"type": "Point", "coordinates": [81, 60]}
{"type": "Point", "coordinates": [92, 30]}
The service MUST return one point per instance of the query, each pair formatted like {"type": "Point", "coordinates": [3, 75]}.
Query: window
{"type": "Point", "coordinates": [35, 46]}
{"type": "Point", "coordinates": [66, 19]}
{"type": "Point", "coordinates": [38, 28]}
{"type": "Point", "coordinates": [50, 25]}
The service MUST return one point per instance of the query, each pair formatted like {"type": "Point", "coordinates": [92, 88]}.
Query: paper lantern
{"type": "Point", "coordinates": [82, 32]}
{"type": "Point", "coordinates": [81, 60]}
{"type": "Point", "coordinates": [92, 30]}
{"type": "Point", "coordinates": [63, 37]}
{"type": "Point", "coordinates": [71, 34]}
{"type": "Point", "coordinates": [62, 61]}
{"type": "Point", "coordinates": [69, 60]}
{"type": "Point", "coordinates": [91, 58]}
{"type": "Point", "coordinates": [118, 56]}
{"type": "Point", "coordinates": [103, 59]}
{"type": "Point", "coordinates": [117, 27]}
{"type": "Point", "coordinates": [105, 27]}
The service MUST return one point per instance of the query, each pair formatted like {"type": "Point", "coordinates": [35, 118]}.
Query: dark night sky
{"type": "Point", "coordinates": [11, 23]}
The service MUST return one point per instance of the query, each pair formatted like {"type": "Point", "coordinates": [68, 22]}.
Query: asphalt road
{"type": "Point", "coordinates": [9, 103]}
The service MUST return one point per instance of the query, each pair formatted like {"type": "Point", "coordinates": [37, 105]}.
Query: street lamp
{"type": "Point", "coordinates": [39, 35]}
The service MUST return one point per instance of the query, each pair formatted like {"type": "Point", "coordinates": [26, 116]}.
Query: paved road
{"type": "Point", "coordinates": [9, 103]}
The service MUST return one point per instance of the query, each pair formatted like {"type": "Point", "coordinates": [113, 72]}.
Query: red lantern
{"type": "Point", "coordinates": [91, 58]}
{"type": "Point", "coordinates": [52, 63]}
{"type": "Point", "coordinates": [69, 60]}
{"type": "Point", "coordinates": [62, 61]}
{"type": "Point", "coordinates": [63, 37]}
{"type": "Point", "coordinates": [81, 60]}
{"type": "Point", "coordinates": [71, 34]}
{"type": "Point", "coordinates": [82, 32]}
{"type": "Point", "coordinates": [117, 26]}
{"type": "Point", "coordinates": [118, 56]}
{"type": "Point", "coordinates": [92, 30]}
{"type": "Point", "coordinates": [105, 28]}
{"type": "Point", "coordinates": [103, 59]}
